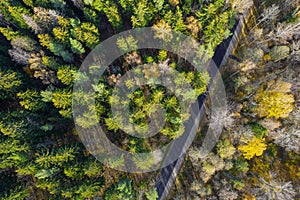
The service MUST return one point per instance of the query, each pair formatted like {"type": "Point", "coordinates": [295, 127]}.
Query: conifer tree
{"type": "Point", "coordinates": [9, 33]}
{"type": "Point", "coordinates": [66, 75]}
{"type": "Point", "coordinates": [88, 34]}
{"type": "Point", "coordinates": [143, 13]}
{"type": "Point", "coordinates": [9, 83]}
{"type": "Point", "coordinates": [76, 46]}
{"type": "Point", "coordinates": [17, 12]}
{"type": "Point", "coordinates": [30, 100]}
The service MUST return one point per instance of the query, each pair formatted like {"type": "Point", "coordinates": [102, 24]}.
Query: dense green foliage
{"type": "Point", "coordinates": [43, 44]}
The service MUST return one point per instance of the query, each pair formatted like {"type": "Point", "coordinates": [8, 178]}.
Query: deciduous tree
{"type": "Point", "coordinates": [274, 101]}
{"type": "Point", "coordinates": [252, 148]}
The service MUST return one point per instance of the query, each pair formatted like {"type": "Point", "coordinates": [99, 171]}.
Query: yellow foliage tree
{"type": "Point", "coordinates": [274, 101]}
{"type": "Point", "coordinates": [255, 147]}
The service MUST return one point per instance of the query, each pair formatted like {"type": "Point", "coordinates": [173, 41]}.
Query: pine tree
{"type": "Point", "coordinates": [30, 100]}
{"type": "Point", "coordinates": [18, 193]}
{"type": "Point", "coordinates": [50, 62]}
{"type": "Point", "coordinates": [88, 34]}
{"type": "Point", "coordinates": [88, 190]}
{"type": "Point", "coordinates": [111, 124]}
{"type": "Point", "coordinates": [159, 4]}
{"type": "Point", "coordinates": [123, 190]}
{"type": "Point", "coordinates": [46, 173]}
{"type": "Point", "coordinates": [152, 194]}
{"type": "Point", "coordinates": [143, 13]}
{"type": "Point", "coordinates": [111, 10]}
{"type": "Point", "coordinates": [62, 99]}
{"type": "Point", "coordinates": [57, 4]}
{"type": "Point", "coordinates": [76, 46]}
{"type": "Point", "coordinates": [28, 3]}
{"type": "Point", "coordinates": [187, 6]}
{"type": "Point", "coordinates": [144, 162]}
{"type": "Point", "coordinates": [59, 50]}
{"type": "Point", "coordinates": [17, 13]}
{"type": "Point", "coordinates": [91, 15]}
{"type": "Point", "coordinates": [9, 33]}
{"type": "Point", "coordinates": [45, 40]}
{"type": "Point", "coordinates": [128, 43]}
{"type": "Point", "coordinates": [93, 169]}
{"type": "Point", "coordinates": [66, 74]}
{"type": "Point", "coordinates": [61, 34]}
{"type": "Point", "coordinates": [57, 157]}
{"type": "Point", "coordinates": [9, 83]}
{"type": "Point", "coordinates": [127, 5]}
{"type": "Point", "coordinates": [175, 19]}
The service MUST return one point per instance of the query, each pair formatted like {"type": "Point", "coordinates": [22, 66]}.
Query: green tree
{"type": "Point", "coordinates": [111, 124]}
{"type": "Point", "coordinates": [46, 173]}
{"type": "Point", "coordinates": [61, 34]}
{"type": "Point", "coordinates": [144, 162]}
{"type": "Point", "coordinates": [30, 100]}
{"type": "Point", "coordinates": [45, 40]}
{"type": "Point", "coordinates": [76, 46]}
{"type": "Point", "coordinates": [50, 62]}
{"type": "Point", "coordinates": [123, 190]}
{"type": "Point", "coordinates": [128, 43]}
{"type": "Point", "coordinates": [93, 169]}
{"type": "Point", "coordinates": [88, 34]}
{"type": "Point", "coordinates": [62, 99]}
{"type": "Point", "coordinates": [225, 149]}
{"type": "Point", "coordinates": [152, 194]}
{"type": "Point", "coordinates": [9, 33]}
{"type": "Point", "coordinates": [17, 13]}
{"type": "Point", "coordinates": [127, 5]}
{"type": "Point", "coordinates": [175, 20]}
{"type": "Point", "coordinates": [28, 3]}
{"type": "Point", "coordinates": [91, 15]}
{"type": "Point", "coordinates": [57, 157]}
{"type": "Point", "coordinates": [9, 83]}
{"type": "Point", "coordinates": [110, 8]}
{"type": "Point", "coordinates": [143, 12]}
{"type": "Point", "coordinates": [159, 4]}
{"type": "Point", "coordinates": [73, 171]}
{"type": "Point", "coordinates": [66, 74]}
{"type": "Point", "coordinates": [19, 193]}
{"type": "Point", "coordinates": [59, 50]}
{"type": "Point", "coordinates": [241, 165]}
{"type": "Point", "coordinates": [88, 189]}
